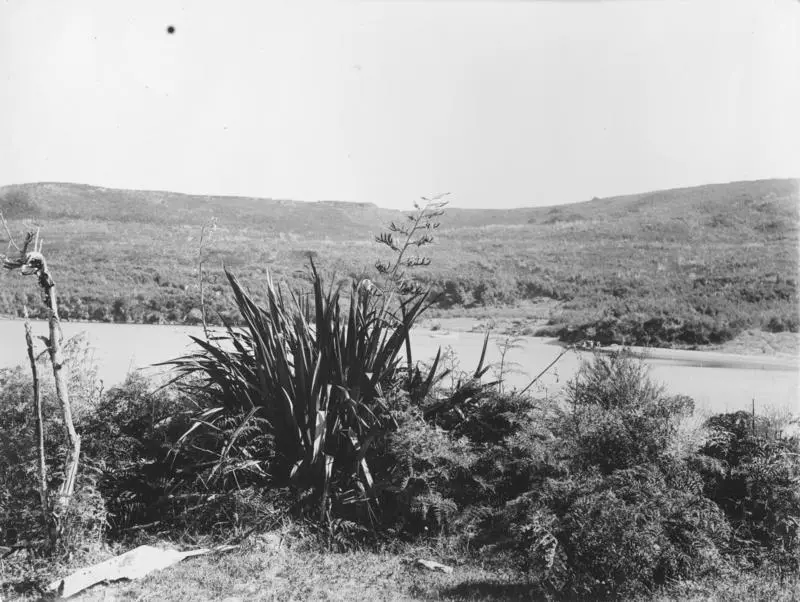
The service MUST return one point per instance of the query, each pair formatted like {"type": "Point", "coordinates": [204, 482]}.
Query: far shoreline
{"type": "Point", "coordinates": [727, 354]}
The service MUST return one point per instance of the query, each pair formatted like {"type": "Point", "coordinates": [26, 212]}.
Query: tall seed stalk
{"type": "Point", "coordinates": [205, 233]}
{"type": "Point", "coordinates": [418, 232]}
{"type": "Point", "coordinates": [504, 366]}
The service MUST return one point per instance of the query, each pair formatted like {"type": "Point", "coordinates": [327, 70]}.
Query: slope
{"type": "Point", "coordinates": [684, 266]}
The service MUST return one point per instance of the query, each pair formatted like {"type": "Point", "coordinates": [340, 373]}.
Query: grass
{"type": "Point", "coordinates": [310, 575]}
{"type": "Point", "coordinates": [286, 573]}
{"type": "Point", "coordinates": [683, 267]}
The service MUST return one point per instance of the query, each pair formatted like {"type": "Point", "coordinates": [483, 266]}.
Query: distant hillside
{"type": "Point", "coordinates": [689, 266]}
{"type": "Point", "coordinates": [49, 201]}
{"type": "Point", "coordinates": [335, 219]}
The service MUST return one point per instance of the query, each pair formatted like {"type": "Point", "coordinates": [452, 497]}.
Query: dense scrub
{"type": "Point", "coordinates": [20, 509]}
{"type": "Point", "coordinates": [606, 494]}
{"type": "Point", "coordinates": [688, 267]}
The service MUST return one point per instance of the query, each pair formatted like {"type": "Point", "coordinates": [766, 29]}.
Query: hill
{"type": "Point", "coordinates": [685, 266]}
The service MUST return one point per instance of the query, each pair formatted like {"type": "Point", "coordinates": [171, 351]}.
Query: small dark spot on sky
{"type": "Point", "coordinates": [171, 29]}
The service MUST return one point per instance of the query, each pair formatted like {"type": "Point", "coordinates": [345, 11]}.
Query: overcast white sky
{"type": "Point", "coordinates": [502, 103]}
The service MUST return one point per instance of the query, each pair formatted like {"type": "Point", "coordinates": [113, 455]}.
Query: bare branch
{"type": "Point", "coordinates": [543, 372]}
{"type": "Point", "coordinates": [44, 494]}
{"type": "Point", "coordinates": [10, 237]}
{"type": "Point", "coordinates": [33, 263]}
{"type": "Point", "coordinates": [24, 260]}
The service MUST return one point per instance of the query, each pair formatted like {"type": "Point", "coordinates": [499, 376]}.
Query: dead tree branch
{"type": "Point", "coordinates": [11, 242]}
{"type": "Point", "coordinates": [543, 372]}
{"type": "Point", "coordinates": [33, 263]}
{"type": "Point", "coordinates": [44, 494]}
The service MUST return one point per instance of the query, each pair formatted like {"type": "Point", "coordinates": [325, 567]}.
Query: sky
{"type": "Point", "coordinates": [501, 103]}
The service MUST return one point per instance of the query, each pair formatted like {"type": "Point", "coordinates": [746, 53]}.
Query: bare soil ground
{"type": "Point", "coordinates": [522, 319]}
{"type": "Point", "coordinates": [756, 342]}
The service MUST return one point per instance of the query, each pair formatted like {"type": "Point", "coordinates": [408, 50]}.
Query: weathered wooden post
{"type": "Point", "coordinates": [32, 263]}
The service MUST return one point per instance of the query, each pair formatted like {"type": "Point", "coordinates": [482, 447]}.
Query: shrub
{"type": "Point", "coordinates": [635, 529]}
{"type": "Point", "coordinates": [789, 323]}
{"type": "Point", "coordinates": [594, 536]}
{"type": "Point", "coordinates": [20, 509]}
{"type": "Point", "coordinates": [17, 203]}
{"type": "Point", "coordinates": [20, 505]}
{"type": "Point", "coordinates": [513, 439]}
{"type": "Point", "coordinates": [133, 422]}
{"type": "Point", "coordinates": [127, 439]}
{"type": "Point", "coordinates": [431, 476]}
{"type": "Point", "coordinates": [84, 524]}
{"type": "Point", "coordinates": [611, 507]}
{"type": "Point", "coordinates": [755, 479]}
{"type": "Point", "coordinates": [452, 293]}
{"type": "Point", "coordinates": [619, 417]}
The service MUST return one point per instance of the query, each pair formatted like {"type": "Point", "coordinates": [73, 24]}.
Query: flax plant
{"type": "Point", "coordinates": [316, 386]}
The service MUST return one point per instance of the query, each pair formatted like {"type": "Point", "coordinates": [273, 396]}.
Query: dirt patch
{"type": "Point", "coordinates": [522, 319]}
{"type": "Point", "coordinates": [756, 342]}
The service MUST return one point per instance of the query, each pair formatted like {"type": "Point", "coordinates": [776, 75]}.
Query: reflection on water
{"type": "Point", "coordinates": [716, 381]}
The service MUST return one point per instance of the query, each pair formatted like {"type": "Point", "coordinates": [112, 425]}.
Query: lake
{"type": "Point", "coordinates": [717, 381]}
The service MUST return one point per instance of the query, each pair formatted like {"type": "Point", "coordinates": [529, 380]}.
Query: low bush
{"type": "Point", "coordinates": [755, 479]}
{"type": "Point", "coordinates": [20, 509]}
{"type": "Point", "coordinates": [614, 511]}
{"type": "Point", "coordinates": [21, 520]}
{"type": "Point", "coordinates": [127, 439]}
{"type": "Point", "coordinates": [619, 418]}
{"type": "Point", "coordinates": [599, 536]}
{"type": "Point", "coordinates": [431, 480]}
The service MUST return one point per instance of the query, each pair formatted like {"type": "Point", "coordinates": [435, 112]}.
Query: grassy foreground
{"type": "Point", "coordinates": [265, 572]}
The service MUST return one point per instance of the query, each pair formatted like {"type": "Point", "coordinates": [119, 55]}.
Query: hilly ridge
{"type": "Point", "coordinates": [685, 266]}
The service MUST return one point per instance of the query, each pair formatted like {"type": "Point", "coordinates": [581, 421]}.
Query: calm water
{"type": "Point", "coordinates": [716, 381]}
